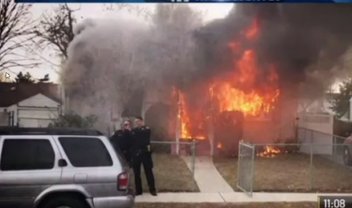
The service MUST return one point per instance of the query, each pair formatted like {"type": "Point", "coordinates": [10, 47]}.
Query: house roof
{"type": "Point", "coordinates": [12, 93]}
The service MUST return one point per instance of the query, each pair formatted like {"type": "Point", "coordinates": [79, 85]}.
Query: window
{"type": "Point", "coordinates": [27, 154]}
{"type": "Point", "coordinates": [86, 152]}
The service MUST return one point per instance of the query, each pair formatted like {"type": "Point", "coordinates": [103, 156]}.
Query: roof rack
{"type": "Point", "coordinates": [48, 131]}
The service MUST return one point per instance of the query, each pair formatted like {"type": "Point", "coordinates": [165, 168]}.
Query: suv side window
{"type": "Point", "coordinates": [27, 154]}
{"type": "Point", "coordinates": [86, 152]}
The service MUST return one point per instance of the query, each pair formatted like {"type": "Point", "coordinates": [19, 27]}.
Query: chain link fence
{"type": "Point", "coordinates": [245, 170]}
{"type": "Point", "coordinates": [315, 162]}
{"type": "Point", "coordinates": [321, 144]}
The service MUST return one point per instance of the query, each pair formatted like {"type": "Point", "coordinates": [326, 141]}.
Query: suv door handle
{"type": "Point", "coordinates": [62, 163]}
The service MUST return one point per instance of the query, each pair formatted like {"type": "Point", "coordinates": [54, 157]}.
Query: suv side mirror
{"type": "Point", "coordinates": [62, 163]}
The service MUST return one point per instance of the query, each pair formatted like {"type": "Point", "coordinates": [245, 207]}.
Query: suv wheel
{"type": "Point", "coordinates": [347, 156]}
{"type": "Point", "coordinates": [64, 202]}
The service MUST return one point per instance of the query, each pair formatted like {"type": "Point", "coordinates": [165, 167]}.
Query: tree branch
{"type": "Point", "coordinates": [57, 30]}
{"type": "Point", "coordinates": [15, 27]}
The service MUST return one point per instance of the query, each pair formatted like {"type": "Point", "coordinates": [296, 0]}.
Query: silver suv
{"type": "Point", "coordinates": [56, 168]}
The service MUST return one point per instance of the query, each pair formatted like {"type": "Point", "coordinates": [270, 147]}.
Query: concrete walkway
{"type": "Point", "coordinates": [214, 189]}
{"type": "Point", "coordinates": [234, 197]}
{"type": "Point", "coordinates": [207, 176]}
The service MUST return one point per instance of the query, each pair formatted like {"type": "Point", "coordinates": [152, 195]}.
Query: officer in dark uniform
{"type": "Point", "coordinates": [142, 155]}
{"type": "Point", "coordinates": [122, 141]}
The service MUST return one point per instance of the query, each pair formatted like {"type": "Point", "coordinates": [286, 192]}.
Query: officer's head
{"type": "Point", "coordinates": [139, 121]}
{"type": "Point", "coordinates": [126, 125]}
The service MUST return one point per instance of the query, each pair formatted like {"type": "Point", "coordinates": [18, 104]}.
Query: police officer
{"type": "Point", "coordinates": [122, 140]}
{"type": "Point", "coordinates": [142, 155]}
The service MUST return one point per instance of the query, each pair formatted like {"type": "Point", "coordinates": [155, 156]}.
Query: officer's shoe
{"type": "Point", "coordinates": [138, 193]}
{"type": "Point", "coordinates": [153, 193]}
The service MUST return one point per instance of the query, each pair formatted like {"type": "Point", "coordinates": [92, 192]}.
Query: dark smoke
{"type": "Point", "coordinates": [111, 60]}
{"type": "Point", "coordinates": [298, 39]}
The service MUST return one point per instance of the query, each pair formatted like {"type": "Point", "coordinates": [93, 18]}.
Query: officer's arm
{"type": "Point", "coordinates": [148, 133]}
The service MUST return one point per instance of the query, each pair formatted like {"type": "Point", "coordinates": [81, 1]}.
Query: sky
{"type": "Point", "coordinates": [100, 11]}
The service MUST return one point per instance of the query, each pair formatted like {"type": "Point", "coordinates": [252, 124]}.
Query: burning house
{"type": "Point", "coordinates": [235, 103]}
{"type": "Point", "coordinates": [255, 62]}
{"type": "Point", "coordinates": [236, 78]}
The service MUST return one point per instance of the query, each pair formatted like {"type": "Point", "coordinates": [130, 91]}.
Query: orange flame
{"type": "Point", "coordinates": [240, 90]}
{"type": "Point", "coordinates": [184, 118]}
{"type": "Point", "coordinates": [252, 32]}
{"type": "Point", "coordinates": [250, 87]}
{"type": "Point", "coordinates": [269, 152]}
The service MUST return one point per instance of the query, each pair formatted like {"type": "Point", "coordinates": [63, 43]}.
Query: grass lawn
{"type": "Point", "coordinates": [171, 175]}
{"type": "Point", "coordinates": [290, 172]}
{"type": "Point", "coordinates": [225, 205]}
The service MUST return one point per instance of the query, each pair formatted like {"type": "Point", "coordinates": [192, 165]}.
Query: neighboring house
{"type": "Point", "coordinates": [322, 106]}
{"type": "Point", "coordinates": [316, 116]}
{"type": "Point", "coordinates": [29, 104]}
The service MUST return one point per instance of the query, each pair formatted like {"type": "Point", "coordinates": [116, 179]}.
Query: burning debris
{"type": "Point", "coordinates": [269, 152]}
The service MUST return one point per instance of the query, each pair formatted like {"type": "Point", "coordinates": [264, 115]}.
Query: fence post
{"type": "Point", "coordinates": [253, 166]}
{"type": "Point", "coordinates": [334, 139]}
{"type": "Point", "coordinates": [239, 163]}
{"type": "Point", "coordinates": [193, 156]}
{"type": "Point", "coordinates": [305, 135]}
{"type": "Point", "coordinates": [311, 163]}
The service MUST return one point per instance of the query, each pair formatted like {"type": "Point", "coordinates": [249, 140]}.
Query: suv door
{"type": "Point", "coordinates": [91, 164]}
{"type": "Point", "coordinates": [27, 166]}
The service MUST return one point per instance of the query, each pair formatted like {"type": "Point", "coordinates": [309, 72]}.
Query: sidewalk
{"type": "Point", "coordinates": [234, 197]}
{"type": "Point", "coordinates": [207, 176]}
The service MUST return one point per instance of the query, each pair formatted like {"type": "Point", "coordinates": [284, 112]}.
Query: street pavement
{"type": "Point", "coordinates": [234, 197]}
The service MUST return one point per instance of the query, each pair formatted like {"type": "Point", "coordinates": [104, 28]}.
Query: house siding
{"type": "Point", "coordinates": [38, 100]}
{"type": "Point", "coordinates": [36, 111]}
{"type": "Point", "coordinates": [4, 118]}
{"type": "Point", "coordinates": [320, 128]}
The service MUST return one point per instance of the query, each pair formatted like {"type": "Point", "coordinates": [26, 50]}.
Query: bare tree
{"type": "Point", "coordinates": [15, 27]}
{"type": "Point", "coordinates": [57, 30]}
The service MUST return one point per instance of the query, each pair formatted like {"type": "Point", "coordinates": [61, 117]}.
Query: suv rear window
{"type": "Point", "coordinates": [86, 151]}
{"type": "Point", "coordinates": [27, 154]}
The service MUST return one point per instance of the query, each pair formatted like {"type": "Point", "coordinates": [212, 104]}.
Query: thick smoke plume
{"type": "Point", "coordinates": [298, 39]}
{"type": "Point", "coordinates": [112, 64]}
{"type": "Point", "coordinates": [99, 74]}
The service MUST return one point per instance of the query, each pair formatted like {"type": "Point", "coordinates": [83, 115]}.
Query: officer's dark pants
{"type": "Point", "coordinates": [127, 157]}
{"type": "Point", "coordinates": [146, 160]}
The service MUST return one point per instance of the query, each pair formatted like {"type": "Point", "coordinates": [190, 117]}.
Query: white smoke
{"type": "Point", "coordinates": [109, 60]}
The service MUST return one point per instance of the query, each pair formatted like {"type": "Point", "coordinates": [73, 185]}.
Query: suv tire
{"type": "Point", "coordinates": [347, 160]}
{"type": "Point", "coordinates": [64, 202]}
